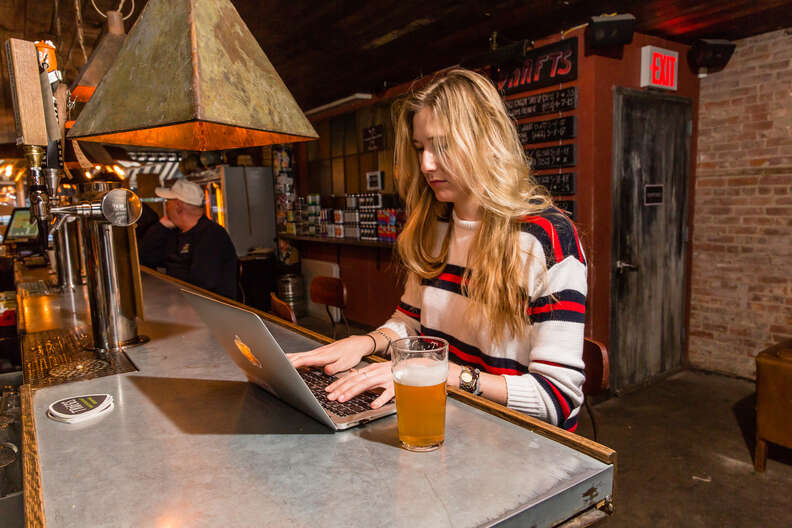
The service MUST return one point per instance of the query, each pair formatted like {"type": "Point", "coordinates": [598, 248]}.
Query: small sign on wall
{"type": "Point", "coordinates": [653, 194]}
{"type": "Point", "coordinates": [375, 180]}
{"type": "Point", "coordinates": [659, 68]}
{"type": "Point", "coordinates": [373, 138]}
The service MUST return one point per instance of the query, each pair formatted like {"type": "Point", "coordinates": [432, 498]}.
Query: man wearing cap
{"type": "Point", "coordinates": [189, 245]}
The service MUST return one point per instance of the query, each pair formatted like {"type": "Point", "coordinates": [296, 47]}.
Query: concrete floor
{"type": "Point", "coordinates": [685, 456]}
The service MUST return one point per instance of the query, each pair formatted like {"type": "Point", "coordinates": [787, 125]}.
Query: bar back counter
{"type": "Point", "coordinates": [192, 443]}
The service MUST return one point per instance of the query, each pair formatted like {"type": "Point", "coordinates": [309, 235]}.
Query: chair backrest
{"type": "Point", "coordinates": [329, 290]}
{"type": "Point", "coordinates": [595, 357]}
{"type": "Point", "coordinates": [281, 308]}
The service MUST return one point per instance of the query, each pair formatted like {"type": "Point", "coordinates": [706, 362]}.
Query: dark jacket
{"type": "Point", "coordinates": [204, 255]}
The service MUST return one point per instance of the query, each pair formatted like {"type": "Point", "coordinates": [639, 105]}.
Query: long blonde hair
{"type": "Point", "coordinates": [482, 150]}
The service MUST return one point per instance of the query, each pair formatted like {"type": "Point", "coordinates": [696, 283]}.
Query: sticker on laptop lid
{"type": "Point", "coordinates": [245, 351]}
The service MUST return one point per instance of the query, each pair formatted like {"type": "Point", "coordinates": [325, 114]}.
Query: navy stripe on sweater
{"type": "Point", "coordinates": [565, 305]}
{"type": "Point", "coordinates": [470, 355]}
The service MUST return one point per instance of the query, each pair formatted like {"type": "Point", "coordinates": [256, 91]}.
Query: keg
{"type": "Point", "coordinates": [291, 290]}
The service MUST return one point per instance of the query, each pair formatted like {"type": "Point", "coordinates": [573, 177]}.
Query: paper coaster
{"type": "Point", "coordinates": [79, 408]}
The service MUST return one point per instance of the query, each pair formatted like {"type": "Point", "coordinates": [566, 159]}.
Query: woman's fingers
{"type": "Point", "coordinates": [356, 382]}
{"type": "Point", "coordinates": [383, 398]}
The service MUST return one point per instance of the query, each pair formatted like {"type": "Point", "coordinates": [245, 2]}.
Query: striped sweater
{"type": "Point", "coordinates": [543, 369]}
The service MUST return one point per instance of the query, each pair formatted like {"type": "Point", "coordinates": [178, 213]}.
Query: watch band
{"type": "Point", "coordinates": [469, 380]}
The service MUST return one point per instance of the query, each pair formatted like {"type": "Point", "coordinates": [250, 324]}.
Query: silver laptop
{"type": "Point", "coordinates": [253, 347]}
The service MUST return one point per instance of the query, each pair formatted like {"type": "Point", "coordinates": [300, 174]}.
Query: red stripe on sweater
{"type": "Point", "coordinates": [573, 428]}
{"type": "Point", "coordinates": [564, 407]}
{"type": "Point", "coordinates": [449, 277]}
{"type": "Point", "coordinates": [545, 224]}
{"type": "Point", "coordinates": [577, 241]}
{"type": "Point", "coordinates": [570, 306]}
{"type": "Point", "coordinates": [402, 310]}
{"type": "Point", "coordinates": [479, 361]}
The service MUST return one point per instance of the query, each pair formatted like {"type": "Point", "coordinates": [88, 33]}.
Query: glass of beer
{"type": "Point", "coordinates": [420, 370]}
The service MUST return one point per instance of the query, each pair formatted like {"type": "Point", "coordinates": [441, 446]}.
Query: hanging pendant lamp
{"type": "Point", "coordinates": [191, 76]}
{"type": "Point", "coordinates": [102, 57]}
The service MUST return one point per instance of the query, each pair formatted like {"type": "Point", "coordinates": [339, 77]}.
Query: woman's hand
{"type": "Point", "coordinates": [358, 381]}
{"type": "Point", "coordinates": [343, 355]}
{"type": "Point", "coordinates": [336, 357]}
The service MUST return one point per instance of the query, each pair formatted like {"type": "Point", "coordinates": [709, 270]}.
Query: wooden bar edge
{"type": "Point", "coordinates": [577, 442]}
{"type": "Point", "coordinates": [31, 485]}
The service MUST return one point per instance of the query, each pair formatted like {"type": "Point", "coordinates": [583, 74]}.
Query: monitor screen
{"type": "Point", "coordinates": [19, 227]}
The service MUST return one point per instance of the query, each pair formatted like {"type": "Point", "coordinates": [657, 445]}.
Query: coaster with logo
{"type": "Point", "coordinates": [80, 408]}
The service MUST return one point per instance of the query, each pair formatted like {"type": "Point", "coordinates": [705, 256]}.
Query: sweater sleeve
{"type": "Point", "coordinates": [406, 320]}
{"type": "Point", "coordinates": [552, 390]}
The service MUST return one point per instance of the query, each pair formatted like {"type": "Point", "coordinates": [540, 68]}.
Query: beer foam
{"type": "Point", "coordinates": [420, 373]}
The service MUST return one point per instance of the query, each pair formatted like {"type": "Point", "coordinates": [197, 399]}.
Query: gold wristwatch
{"type": "Point", "coordinates": [469, 380]}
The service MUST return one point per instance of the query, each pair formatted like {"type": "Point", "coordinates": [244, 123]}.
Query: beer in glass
{"type": "Point", "coordinates": [420, 370]}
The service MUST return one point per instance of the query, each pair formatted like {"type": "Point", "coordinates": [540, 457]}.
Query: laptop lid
{"type": "Point", "coordinates": [247, 339]}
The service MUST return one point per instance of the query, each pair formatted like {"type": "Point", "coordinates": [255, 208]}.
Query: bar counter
{"type": "Point", "coordinates": [192, 443]}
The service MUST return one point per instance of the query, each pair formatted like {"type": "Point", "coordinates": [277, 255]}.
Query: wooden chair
{"type": "Point", "coordinates": [597, 370]}
{"type": "Point", "coordinates": [330, 291]}
{"type": "Point", "coordinates": [281, 308]}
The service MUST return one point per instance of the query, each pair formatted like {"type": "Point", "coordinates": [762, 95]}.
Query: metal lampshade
{"type": "Point", "coordinates": [191, 76]}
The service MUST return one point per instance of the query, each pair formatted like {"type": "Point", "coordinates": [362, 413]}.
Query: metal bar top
{"type": "Point", "coordinates": [192, 443]}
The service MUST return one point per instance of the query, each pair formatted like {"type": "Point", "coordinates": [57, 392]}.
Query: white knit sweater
{"type": "Point", "coordinates": [544, 369]}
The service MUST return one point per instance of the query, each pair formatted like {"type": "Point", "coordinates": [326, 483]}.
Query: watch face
{"type": "Point", "coordinates": [466, 377]}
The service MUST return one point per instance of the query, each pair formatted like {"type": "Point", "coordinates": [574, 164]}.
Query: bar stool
{"type": "Point", "coordinates": [597, 370]}
{"type": "Point", "coordinates": [330, 291]}
{"type": "Point", "coordinates": [281, 308]}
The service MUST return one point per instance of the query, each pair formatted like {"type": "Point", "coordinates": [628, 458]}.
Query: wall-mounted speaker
{"type": "Point", "coordinates": [609, 31]}
{"type": "Point", "coordinates": [710, 55]}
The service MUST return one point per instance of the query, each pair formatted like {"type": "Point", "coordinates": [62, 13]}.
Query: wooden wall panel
{"type": "Point", "coordinates": [338, 176]}
{"type": "Point", "coordinates": [337, 136]}
{"type": "Point", "coordinates": [323, 129]}
{"type": "Point", "coordinates": [352, 174]}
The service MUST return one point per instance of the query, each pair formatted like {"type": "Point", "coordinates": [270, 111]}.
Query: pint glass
{"type": "Point", "coordinates": [420, 370]}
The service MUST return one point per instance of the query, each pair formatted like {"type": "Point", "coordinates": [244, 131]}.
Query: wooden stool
{"type": "Point", "coordinates": [330, 291]}
{"type": "Point", "coordinates": [773, 400]}
{"type": "Point", "coordinates": [597, 369]}
{"type": "Point", "coordinates": [281, 308]}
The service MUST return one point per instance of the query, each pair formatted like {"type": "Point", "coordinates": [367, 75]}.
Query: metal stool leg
{"type": "Point", "coordinates": [343, 316]}
{"type": "Point", "coordinates": [591, 415]}
{"type": "Point", "coordinates": [332, 321]}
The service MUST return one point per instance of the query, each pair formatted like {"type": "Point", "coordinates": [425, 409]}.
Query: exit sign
{"type": "Point", "coordinates": [659, 68]}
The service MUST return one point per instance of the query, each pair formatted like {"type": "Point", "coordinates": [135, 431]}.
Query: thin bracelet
{"type": "Point", "coordinates": [373, 350]}
{"type": "Point", "coordinates": [386, 336]}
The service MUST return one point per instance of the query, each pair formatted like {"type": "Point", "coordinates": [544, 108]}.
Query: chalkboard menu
{"type": "Point", "coordinates": [568, 206]}
{"type": "Point", "coordinates": [544, 103]}
{"type": "Point", "coordinates": [553, 157]}
{"type": "Point", "coordinates": [552, 64]}
{"type": "Point", "coordinates": [562, 184]}
{"type": "Point", "coordinates": [550, 130]}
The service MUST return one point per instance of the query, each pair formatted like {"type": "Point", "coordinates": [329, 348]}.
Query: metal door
{"type": "Point", "coordinates": [651, 165]}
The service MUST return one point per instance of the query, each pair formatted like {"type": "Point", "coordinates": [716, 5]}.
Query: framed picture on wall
{"type": "Point", "coordinates": [375, 180]}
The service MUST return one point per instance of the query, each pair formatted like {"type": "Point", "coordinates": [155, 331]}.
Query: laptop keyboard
{"type": "Point", "coordinates": [317, 380]}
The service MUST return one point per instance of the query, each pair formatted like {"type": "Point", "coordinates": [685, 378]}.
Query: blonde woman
{"type": "Point", "coordinates": [493, 267]}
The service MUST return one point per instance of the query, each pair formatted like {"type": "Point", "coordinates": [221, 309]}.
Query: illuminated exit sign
{"type": "Point", "coordinates": [659, 67]}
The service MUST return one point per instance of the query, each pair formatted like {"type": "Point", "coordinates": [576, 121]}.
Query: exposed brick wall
{"type": "Point", "coordinates": [741, 298]}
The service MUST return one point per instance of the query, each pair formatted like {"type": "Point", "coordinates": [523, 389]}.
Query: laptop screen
{"type": "Point", "coordinates": [19, 227]}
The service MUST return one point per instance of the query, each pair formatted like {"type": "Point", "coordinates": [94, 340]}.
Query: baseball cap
{"type": "Point", "coordinates": [186, 191]}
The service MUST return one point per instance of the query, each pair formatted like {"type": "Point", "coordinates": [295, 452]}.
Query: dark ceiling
{"type": "Point", "coordinates": [325, 50]}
